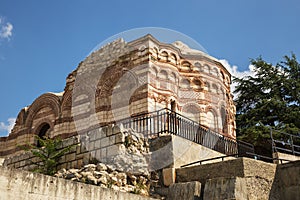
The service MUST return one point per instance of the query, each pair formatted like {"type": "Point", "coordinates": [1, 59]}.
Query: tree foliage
{"type": "Point", "coordinates": [48, 153]}
{"type": "Point", "coordinates": [270, 98]}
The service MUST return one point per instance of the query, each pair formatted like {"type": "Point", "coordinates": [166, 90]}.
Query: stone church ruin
{"type": "Point", "coordinates": [143, 116]}
{"type": "Point", "coordinates": [122, 80]}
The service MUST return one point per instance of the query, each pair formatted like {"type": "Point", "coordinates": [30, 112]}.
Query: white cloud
{"type": "Point", "coordinates": [236, 73]}
{"type": "Point", "coordinates": [6, 29]}
{"type": "Point", "coordinates": [7, 126]}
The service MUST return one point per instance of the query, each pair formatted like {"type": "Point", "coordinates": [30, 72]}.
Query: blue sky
{"type": "Point", "coordinates": [42, 41]}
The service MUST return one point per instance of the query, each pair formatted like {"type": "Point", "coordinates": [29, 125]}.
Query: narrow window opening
{"type": "Point", "coordinates": [43, 133]}
{"type": "Point", "coordinates": [173, 106]}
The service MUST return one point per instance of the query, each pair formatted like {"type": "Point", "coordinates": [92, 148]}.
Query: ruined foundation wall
{"type": "Point", "coordinates": [17, 184]}
{"type": "Point", "coordinates": [100, 144]}
{"type": "Point", "coordinates": [241, 178]}
{"type": "Point", "coordinates": [287, 182]}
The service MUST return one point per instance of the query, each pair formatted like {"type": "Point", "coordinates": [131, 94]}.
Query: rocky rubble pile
{"type": "Point", "coordinates": [127, 171]}
{"type": "Point", "coordinates": [108, 176]}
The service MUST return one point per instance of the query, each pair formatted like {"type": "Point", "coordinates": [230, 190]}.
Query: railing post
{"type": "Point", "coordinates": [272, 140]}
{"type": "Point", "coordinates": [175, 123]}
{"type": "Point", "coordinates": [157, 120]}
{"type": "Point", "coordinates": [292, 144]}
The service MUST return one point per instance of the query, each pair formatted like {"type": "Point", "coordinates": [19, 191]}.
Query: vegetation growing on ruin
{"type": "Point", "coordinates": [48, 153]}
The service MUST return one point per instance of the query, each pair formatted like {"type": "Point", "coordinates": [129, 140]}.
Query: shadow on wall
{"type": "Point", "coordinates": [286, 183]}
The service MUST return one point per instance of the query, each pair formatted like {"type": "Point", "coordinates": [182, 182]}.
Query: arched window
{"type": "Point", "coordinates": [215, 72]}
{"type": "Point", "coordinates": [173, 105]}
{"type": "Point", "coordinates": [164, 56]}
{"type": "Point", "coordinates": [197, 84]}
{"type": "Point", "coordinates": [206, 69]}
{"type": "Point", "coordinates": [227, 80]}
{"type": "Point", "coordinates": [173, 58]}
{"type": "Point", "coordinates": [222, 76]}
{"type": "Point", "coordinates": [153, 70]}
{"type": "Point", "coordinates": [207, 85]}
{"type": "Point", "coordinates": [197, 67]}
{"type": "Point", "coordinates": [185, 83]}
{"type": "Point", "coordinates": [192, 112]}
{"type": "Point", "coordinates": [224, 120]}
{"type": "Point", "coordinates": [43, 132]}
{"type": "Point", "coordinates": [211, 120]}
{"type": "Point", "coordinates": [172, 77]}
{"type": "Point", "coordinates": [186, 66]}
{"type": "Point", "coordinates": [155, 52]}
{"type": "Point", "coordinates": [163, 74]}
{"type": "Point", "coordinates": [142, 50]}
{"type": "Point", "coordinates": [214, 88]}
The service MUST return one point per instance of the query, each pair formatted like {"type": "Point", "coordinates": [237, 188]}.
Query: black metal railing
{"type": "Point", "coordinates": [245, 148]}
{"type": "Point", "coordinates": [287, 143]}
{"type": "Point", "coordinates": [166, 121]}
{"type": "Point", "coordinates": [209, 159]}
{"type": "Point", "coordinates": [266, 158]}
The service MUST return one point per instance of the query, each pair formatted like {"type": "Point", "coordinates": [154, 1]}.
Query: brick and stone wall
{"type": "Point", "coordinates": [125, 79]}
{"type": "Point", "coordinates": [110, 145]}
{"type": "Point", "coordinates": [99, 145]}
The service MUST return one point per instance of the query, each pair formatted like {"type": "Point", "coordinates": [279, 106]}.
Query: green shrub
{"type": "Point", "coordinates": [48, 153]}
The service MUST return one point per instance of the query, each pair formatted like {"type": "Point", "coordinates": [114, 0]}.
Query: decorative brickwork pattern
{"type": "Point", "coordinates": [137, 77]}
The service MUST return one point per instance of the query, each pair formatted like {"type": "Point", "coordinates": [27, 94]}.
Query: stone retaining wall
{"type": "Point", "coordinates": [240, 167]}
{"type": "Point", "coordinates": [101, 144]}
{"type": "Point", "coordinates": [108, 145]}
{"type": "Point", "coordinates": [241, 178]}
{"type": "Point", "coordinates": [286, 157]}
{"type": "Point", "coordinates": [286, 182]}
{"type": "Point", "coordinates": [24, 160]}
{"type": "Point", "coordinates": [17, 184]}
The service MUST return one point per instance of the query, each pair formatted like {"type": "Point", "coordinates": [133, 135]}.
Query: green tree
{"type": "Point", "coordinates": [48, 153]}
{"type": "Point", "coordinates": [269, 99]}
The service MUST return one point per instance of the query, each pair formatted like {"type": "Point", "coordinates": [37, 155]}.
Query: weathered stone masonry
{"type": "Point", "coordinates": [99, 145]}
{"type": "Point", "coordinates": [155, 75]}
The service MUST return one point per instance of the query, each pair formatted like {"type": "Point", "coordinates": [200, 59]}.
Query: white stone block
{"type": "Point", "coordinates": [114, 150]}
{"type": "Point", "coordinates": [104, 142]}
